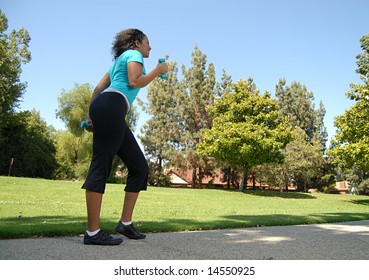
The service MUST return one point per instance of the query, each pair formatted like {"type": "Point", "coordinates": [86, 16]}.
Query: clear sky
{"type": "Point", "coordinates": [313, 42]}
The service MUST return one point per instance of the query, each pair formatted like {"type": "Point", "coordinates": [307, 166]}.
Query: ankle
{"type": "Point", "coordinates": [92, 233]}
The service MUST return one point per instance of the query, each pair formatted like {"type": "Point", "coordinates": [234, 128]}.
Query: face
{"type": "Point", "coordinates": [144, 47]}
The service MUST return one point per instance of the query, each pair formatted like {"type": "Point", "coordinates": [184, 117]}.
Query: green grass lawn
{"type": "Point", "coordinates": [37, 207]}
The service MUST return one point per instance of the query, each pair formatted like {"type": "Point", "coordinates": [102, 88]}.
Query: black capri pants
{"type": "Point", "coordinates": [112, 136]}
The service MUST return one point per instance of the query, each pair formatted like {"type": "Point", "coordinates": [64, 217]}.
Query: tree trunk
{"type": "Point", "coordinates": [243, 182]}
{"type": "Point", "coordinates": [160, 165]}
{"type": "Point", "coordinates": [194, 178]}
{"type": "Point", "coordinates": [201, 174]}
{"type": "Point", "coordinates": [253, 181]}
{"type": "Point", "coordinates": [229, 178]}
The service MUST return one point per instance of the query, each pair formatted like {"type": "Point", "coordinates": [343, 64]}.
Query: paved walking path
{"type": "Point", "coordinates": [338, 241]}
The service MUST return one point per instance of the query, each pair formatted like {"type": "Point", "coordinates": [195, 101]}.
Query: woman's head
{"type": "Point", "coordinates": [127, 40]}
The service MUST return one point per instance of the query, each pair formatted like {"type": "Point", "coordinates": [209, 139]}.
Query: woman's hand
{"type": "Point", "coordinates": [162, 68]}
{"type": "Point", "coordinates": [90, 127]}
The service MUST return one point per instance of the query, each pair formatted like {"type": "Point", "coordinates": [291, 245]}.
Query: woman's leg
{"type": "Point", "coordinates": [93, 235]}
{"type": "Point", "coordinates": [125, 225]}
{"type": "Point", "coordinates": [93, 202]}
{"type": "Point", "coordinates": [136, 163]}
{"type": "Point", "coordinates": [130, 199]}
{"type": "Point", "coordinates": [132, 156]}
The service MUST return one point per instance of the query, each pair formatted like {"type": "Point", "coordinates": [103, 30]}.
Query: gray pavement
{"type": "Point", "coordinates": [338, 241]}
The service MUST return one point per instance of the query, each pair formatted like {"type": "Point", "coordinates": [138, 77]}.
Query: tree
{"type": "Point", "coordinates": [67, 154]}
{"type": "Point", "coordinates": [351, 143]}
{"type": "Point", "coordinates": [199, 88]}
{"type": "Point", "coordinates": [73, 154]}
{"type": "Point", "coordinates": [160, 133]}
{"type": "Point", "coordinates": [303, 161]}
{"type": "Point", "coordinates": [74, 106]}
{"type": "Point", "coordinates": [246, 129]}
{"type": "Point", "coordinates": [303, 156]}
{"type": "Point", "coordinates": [296, 105]}
{"type": "Point", "coordinates": [13, 53]}
{"type": "Point", "coordinates": [167, 134]}
{"type": "Point", "coordinates": [302, 166]}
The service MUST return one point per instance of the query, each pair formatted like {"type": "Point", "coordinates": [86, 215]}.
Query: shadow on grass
{"type": "Point", "coordinates": [364, 202]}
{"type": "Point", "coordinates": [41, 226]}
{"type": "Point", "coordinates": [287, 195]}
{"type": "Point", "coordinates": [50, 226]}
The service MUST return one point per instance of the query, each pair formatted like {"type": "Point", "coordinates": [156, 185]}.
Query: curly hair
{"type": "Point", "coordinates": [126, 40]}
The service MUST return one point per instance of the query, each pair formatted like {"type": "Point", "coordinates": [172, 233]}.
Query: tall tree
{"type": "Point", "coordinates": [13, 53]}
{"type": "Point", "coordinates": [200, 88]}
{"type": "Point", "coordinates": [246, 129]}
{"type": "Point", "coordinates": [296, 104]}
{"type": "Point", "coordinates": [70, 144]}
{"type": "Point", "coordinates": [160, 133]}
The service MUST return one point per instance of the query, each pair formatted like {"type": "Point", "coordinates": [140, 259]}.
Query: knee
{"type": "Point", "coordinates": [144, 169]}
{"type": "Point", "coordinates": [140, 169]}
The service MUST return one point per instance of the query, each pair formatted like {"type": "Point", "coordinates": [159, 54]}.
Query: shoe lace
{"type": "Point", "coordinates": [104, 237]}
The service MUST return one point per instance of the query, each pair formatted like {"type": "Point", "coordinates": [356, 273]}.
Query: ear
{"type": "Point", "coordinates": [137, 43]}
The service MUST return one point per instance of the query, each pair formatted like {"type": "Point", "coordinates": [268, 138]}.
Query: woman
{"type": "Point", "coordinates": [111, 100]}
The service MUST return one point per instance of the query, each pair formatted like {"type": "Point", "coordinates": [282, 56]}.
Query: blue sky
{"type": "Point", "coordinates": [313, 42]}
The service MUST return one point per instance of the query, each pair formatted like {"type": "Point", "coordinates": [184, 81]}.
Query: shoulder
{"type": "Point", "coordinates": [133, 56]}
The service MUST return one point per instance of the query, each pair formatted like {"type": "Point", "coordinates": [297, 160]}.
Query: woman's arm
{"type": "Point", "coordinates": [137, 80]}
{"type": "Point", "coordinates": [103, 84]}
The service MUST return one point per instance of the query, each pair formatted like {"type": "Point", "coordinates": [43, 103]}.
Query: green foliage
{"type": "Point", "coordinates": [303, 160]}
{"type": "Point", "coordinates": [28, 140]}
{"type": "Point", "coordinates": [73, 107]}
{"type": "Point", "coordinates": [73, 154]}
{"type": "Point", "coordinates": [74, 145]}
{"type": "Point", "coordinates": [246, 129]}
{"type": "Point", "coordinates": [363, 58]}
{"type": "Point", "coordinates": [351, 143]}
